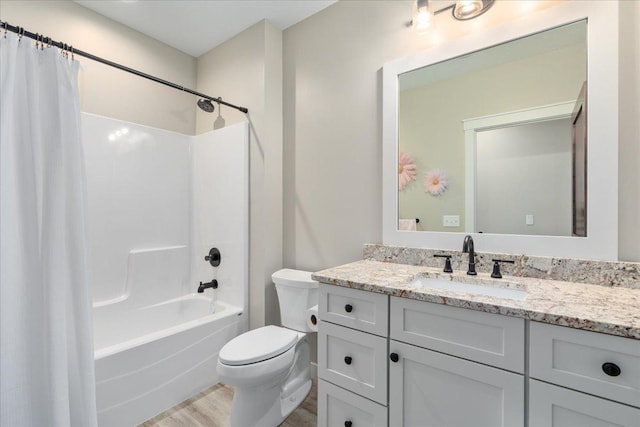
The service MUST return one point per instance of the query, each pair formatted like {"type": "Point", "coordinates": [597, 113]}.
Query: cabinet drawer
{"type": "Point", "coordinates": [354, 360]}
{"type": "Point", "coordinates": [362, 310]}
{"type": "Point", "coordinates": [483, 337]}
{"type": "Point", "coordinates": [553, 406]}
{"type": "Point", "coordinates": [574, 358]}
{"type": "Point", "coordinates": [337, 407]}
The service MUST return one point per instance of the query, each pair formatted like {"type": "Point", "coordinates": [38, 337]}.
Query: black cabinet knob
{"type": "Point", "coordinates": [348, 360]}
{"type": "Point", "coordinates": [611, 369]}
{"type": "Point", "coordinates": [348, 308]}
{"type": "Point", "coordinates": [348, 423]}
{"type": "Point", "coordinates": [394, 357]}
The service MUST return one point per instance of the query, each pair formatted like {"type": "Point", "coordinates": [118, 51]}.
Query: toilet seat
{"type": "Point", "coordinates": [257, 345]}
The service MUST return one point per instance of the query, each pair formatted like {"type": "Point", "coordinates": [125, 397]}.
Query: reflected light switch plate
{"type": "Point", "coordinates": [451, 220]}
{"type": "Point", "coordinates": [529, 219]}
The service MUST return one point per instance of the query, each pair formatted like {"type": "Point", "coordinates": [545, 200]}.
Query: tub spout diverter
{"type": "Point", "coordinates": [212, 284]}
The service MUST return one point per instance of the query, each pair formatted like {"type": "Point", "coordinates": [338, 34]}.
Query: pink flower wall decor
{"type": "Point", "coordinates": [435, 182]}
{"type": "Point", "coordinates": [406, 170]}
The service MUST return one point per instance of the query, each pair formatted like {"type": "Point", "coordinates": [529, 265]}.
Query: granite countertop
{"type": "Point", "coordinates": [614, 311]}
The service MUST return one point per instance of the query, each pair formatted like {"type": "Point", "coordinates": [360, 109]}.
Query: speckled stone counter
{"type": "Point", "coordinates": [614, 311]}
{"type": "Point", "coordinates": [604, 273]}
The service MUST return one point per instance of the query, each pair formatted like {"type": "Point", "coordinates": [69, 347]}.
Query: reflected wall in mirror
{"type": "Point", "coordinates": [498, 124]}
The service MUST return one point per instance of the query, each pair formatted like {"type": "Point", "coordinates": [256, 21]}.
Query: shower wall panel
{"type": "Point", "coordinates": [220, 210]}
{"type": "Point", "coordinates": [138, 181]}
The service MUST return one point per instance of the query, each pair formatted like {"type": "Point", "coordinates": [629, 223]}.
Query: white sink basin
{"type": "Point", "coordinates": [481, 287]}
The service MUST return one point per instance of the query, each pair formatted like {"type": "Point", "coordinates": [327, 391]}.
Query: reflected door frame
{"type": "Point", "coordinates": [542, 113]}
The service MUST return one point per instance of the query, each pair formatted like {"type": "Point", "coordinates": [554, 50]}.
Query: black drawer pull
{"type": "Point", "coordinates": [394, 357]}
{"type": "Point", "coordinates": [348, 308]}
{"type": "Point", "coordinates": [348, 423]}
{"type": "Point", "coordinates": [611, 369]}
{"type": "Point", "coordinates": [348, 360]}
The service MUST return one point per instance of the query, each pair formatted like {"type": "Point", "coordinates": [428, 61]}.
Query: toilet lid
{"type": "Point", "coordinates": [258, 345]}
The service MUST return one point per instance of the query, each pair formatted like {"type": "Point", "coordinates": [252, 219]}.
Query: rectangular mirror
{"type": "Point", "coordinates": [487, 135]}
{"type": "Point", "coordinates": [495, 126]}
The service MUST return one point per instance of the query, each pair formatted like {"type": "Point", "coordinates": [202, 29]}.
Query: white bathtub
{"type": "Point", "coordinates": [150, 358]}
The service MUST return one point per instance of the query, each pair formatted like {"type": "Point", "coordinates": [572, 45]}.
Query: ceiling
{"type": "Point", "coordinates": [195, 27]}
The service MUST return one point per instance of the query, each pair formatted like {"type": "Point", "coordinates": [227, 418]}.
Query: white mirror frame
{"type": "Point", "coordinates": [602, 123]}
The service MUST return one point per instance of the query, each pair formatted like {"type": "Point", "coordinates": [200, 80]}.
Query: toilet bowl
{"type": "Point", "coordinates": [269, 367]}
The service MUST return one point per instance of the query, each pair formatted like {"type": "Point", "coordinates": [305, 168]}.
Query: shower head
{"type": "Point", "coordinates": [206, 105]}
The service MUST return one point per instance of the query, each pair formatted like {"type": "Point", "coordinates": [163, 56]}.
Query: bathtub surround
{"type": "Point", "coordinates": [46, 337]}
{"type": "Point", "coordinates": [158, 201]}
{"type": "Point", "coordinates": [603, 273]}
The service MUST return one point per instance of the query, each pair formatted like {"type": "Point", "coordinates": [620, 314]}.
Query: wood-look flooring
{"type": "Point", "coordinates": [212, 408]}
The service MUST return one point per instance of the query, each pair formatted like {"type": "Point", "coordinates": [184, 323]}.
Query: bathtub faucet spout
{"type": "Point", "coordinates": [212, 284]}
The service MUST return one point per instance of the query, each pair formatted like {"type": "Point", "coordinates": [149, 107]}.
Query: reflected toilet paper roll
{"type": "Point", "coordinates": [312, 318]}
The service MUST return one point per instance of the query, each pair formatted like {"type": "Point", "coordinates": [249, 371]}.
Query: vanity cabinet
{"type": "Point", "coordinates": [401, 362]}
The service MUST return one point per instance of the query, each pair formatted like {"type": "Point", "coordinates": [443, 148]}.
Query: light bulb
{"type": "Point", "coordinates": [467, 9]}
{"type": "Point", "coordinates": [422, 16]}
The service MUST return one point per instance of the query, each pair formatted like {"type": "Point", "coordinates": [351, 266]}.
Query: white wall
{"type": "Point", "coordinates": [105, 90]}
{"type": "Point", "coordinates": [524, 170]}
{"type": "Point", "coordinates": [629, 154]}
{"type": "Point", "coordinates": [332, 123]}
{"type": "Point", "coordinates": [247, 70]}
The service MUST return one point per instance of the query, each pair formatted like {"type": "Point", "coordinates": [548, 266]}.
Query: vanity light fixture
{"type": "Point", "coordinates": [468, 9]}
{"type": "Point", "coordinates": [421, 16]}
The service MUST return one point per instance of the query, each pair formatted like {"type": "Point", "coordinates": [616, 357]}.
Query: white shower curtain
{"type": "Point", "coordinates": [46, 347]}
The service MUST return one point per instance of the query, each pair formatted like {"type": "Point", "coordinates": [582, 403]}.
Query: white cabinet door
{"type": "Point", "coordinates": [427, 388]}
{"type": "Point", "coordinates": [553, 406]}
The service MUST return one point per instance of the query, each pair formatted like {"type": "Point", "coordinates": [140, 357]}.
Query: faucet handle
{"type": "Point", "coordinates": [447, 263]}
{"type": "Point", "coordinates": [496, 267]}
{"type": "Point", "coordinates": [213, 257]}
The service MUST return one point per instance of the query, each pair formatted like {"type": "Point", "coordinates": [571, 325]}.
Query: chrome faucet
{"type": "Point", "coordinates": [467, 247]}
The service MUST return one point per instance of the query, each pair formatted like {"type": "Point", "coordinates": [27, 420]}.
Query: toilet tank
{"type": "Point", "coordinates": [296, 293]}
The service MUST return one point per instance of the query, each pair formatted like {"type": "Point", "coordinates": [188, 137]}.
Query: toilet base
{"type": "Point", "coordinates": [289, 404]}
{"type": "Point", "coordinates": [265, 408]}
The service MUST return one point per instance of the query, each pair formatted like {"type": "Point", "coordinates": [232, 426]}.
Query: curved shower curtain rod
{"type": "Point", "coordinates": [50, 42]}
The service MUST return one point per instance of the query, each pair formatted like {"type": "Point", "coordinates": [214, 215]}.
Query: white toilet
{"type": "Point", "coordinates": [269, 367]}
